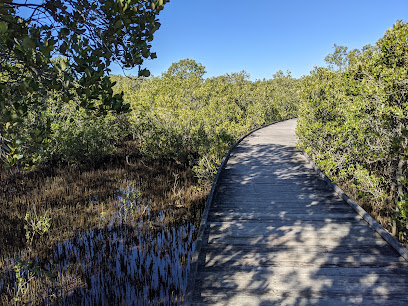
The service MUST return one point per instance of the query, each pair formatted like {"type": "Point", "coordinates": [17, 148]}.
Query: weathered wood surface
{"type": "Point", "coordinates": [276, 234]}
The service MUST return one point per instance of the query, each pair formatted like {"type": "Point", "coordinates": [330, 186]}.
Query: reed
{"type": "Point", "coordinates": [128, 211]}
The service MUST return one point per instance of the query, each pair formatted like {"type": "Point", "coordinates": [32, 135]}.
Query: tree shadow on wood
{"type": "Point", "coordinates": [276, 234]}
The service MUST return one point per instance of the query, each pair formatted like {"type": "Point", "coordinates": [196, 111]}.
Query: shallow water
{"type": "Point", "coordinates": [137, 255]}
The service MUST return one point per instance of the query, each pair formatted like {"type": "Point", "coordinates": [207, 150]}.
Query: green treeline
{"type": "Point", "coordinates": [353, 121]}
{"type": "Point", "coordinates": [182, 116]}
{"type": "Point", "coordinates": [353, 115]}
{"type": "Point", "coordinates": [178, 116]}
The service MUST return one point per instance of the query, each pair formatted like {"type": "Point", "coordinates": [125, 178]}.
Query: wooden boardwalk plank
{"type": "Point", "coordinates": [276, 234]}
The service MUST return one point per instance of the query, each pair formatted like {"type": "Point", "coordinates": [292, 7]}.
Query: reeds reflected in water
{"type": "Point", "coordinates": [136, 255]}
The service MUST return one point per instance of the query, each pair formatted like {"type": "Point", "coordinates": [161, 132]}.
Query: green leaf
{"type": "Point", "coordinates": [64, 32]}
{"type": "Point", "coordinates": [28, 43]}
{"type": "Point", "coordinates": [3, 27]}
{"type": "Point", "coordinates": [118, 24]}
{"type": "Point", "coordinates": [87, 72]}
{"type": "Point", "coordinates": [144, 72]}
{"type": "Point", "coordinates": [64, 64]}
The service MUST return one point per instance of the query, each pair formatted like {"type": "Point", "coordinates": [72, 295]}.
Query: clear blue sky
{"type": "Point", "coordinates": [264, 36]}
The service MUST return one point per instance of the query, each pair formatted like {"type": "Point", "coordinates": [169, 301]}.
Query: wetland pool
{"type": "Point", "coordinates": [134, 254]}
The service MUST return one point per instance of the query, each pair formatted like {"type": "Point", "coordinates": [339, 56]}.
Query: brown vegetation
{"type": "Point", "coordinates": [83, 198]}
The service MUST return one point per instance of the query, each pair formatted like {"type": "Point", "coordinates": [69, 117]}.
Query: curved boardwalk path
{"type": "Point", "coordinates": [275, 234]}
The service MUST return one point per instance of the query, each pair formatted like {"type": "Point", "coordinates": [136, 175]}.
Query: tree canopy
{"type": "Point", "coordinates": [185, 68]}
{"type": "Point", "coordinates": [67, 46]}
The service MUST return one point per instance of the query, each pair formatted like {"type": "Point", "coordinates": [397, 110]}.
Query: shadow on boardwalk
{"type": "Point", "coordinates": [276, 234]}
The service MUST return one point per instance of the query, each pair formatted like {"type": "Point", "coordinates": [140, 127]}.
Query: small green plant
{"type": "Point", "coordinates": [206, 168]}
{"type": "Point", "coordinates": [401, 217]}
{"type": "Point", "coordinates": [12, 153]}
{"type": "Point", "coordinates": [130, 202]}
{"type": "Point", "coordinates": [26, 272]}
{"type": "Point", "coordinates": [103, 213]}
{"type": "Point", "coordinates": [35, 225]}
{"type": "Point", "coordinates": [22, 281]}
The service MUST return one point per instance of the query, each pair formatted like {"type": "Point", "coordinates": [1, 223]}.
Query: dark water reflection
{"type": "Point", "coordinates": [125, 265]}
{"type": "Point", "coordinates": [137, 256]}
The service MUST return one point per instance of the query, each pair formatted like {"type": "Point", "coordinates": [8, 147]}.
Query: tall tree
{"type": "Point", "coordinates": [185, 68]}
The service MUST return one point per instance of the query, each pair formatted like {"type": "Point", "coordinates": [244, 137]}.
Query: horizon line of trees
{"type": "Point", "coordinates": [177, 116]}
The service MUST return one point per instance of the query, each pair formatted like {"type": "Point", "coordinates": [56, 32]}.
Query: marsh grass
{"type": "Point", "coordinates": [122, 230]}
{"type": "Point", "coordinates": [381, 210]}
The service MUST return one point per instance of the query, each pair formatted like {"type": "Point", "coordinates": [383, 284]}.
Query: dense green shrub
{"type": "Point", "coordinates": [181, 115]}
{"type": "Point", "coordinates": [83, 139]}
{"type": "Point", "coordinates": [354, 122]}
{"type": "Point", "coordinates": [63, 132]}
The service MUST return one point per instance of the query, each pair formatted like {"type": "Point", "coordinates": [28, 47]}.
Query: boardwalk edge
{"type": "Point", "coordinates": [194, 262]}
{"type": "Point", "coordinates": [403, 251]}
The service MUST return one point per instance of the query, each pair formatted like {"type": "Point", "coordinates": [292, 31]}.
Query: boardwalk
{"type": "Point", "coordinates": [275, 234]}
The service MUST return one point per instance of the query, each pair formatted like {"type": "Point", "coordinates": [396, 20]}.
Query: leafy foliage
{"type": "Point", "coordinates": [66, 47]}
{"type": "Point", "coordinates": [354, 119]}
{"type": "Point", "coordinates": [193, 120]}
{"type": "Point", "coordinates": [36, 225]}
{"type": "Point", "coordinates": [83, 138]}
